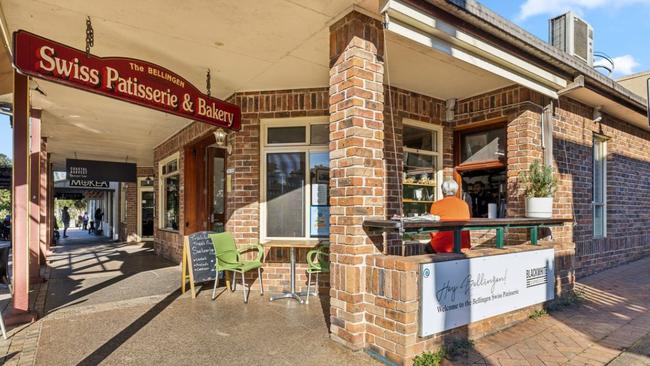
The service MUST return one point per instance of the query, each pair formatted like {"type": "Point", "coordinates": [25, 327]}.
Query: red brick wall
{"type": "Point", "coordinates": [129, 226]}
{"type": "Point", "coordinates": [392, 306]}
{"type": "Point", "coordinates": [628, 194]}
{"type": "Point", "coordinates": [628, 164]}
{"type": "Point", "coordinates": [242, 207]}
{"type": "Point", "coordinates": [399, 105]}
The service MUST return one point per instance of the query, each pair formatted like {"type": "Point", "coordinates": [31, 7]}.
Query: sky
{"type": "Point", "coordinates": [621, 27]}
{"type": "Point", "coordinates": [5, 136]}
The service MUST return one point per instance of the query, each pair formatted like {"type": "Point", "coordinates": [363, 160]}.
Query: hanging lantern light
{"type": "Point", "coordinates": [220, 137]}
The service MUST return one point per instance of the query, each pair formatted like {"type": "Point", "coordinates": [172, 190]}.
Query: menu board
{"type": "Point", "coordinates": [201, 255]}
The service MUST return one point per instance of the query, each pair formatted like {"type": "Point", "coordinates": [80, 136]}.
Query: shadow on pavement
{"type": "Point", "coordinates": [114, 343]}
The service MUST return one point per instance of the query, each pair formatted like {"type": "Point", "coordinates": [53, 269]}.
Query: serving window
{"type": "Point", "coordinates": [480, 169]}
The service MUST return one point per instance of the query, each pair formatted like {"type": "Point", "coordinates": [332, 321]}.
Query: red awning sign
{"type": "Point", "coordinates": [126, 79]}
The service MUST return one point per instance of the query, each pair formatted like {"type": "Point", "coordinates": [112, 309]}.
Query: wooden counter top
{"type": "Point", "coordinates": [411, 223]}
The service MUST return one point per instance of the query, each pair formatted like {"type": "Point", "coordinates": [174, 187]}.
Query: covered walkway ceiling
{"type": "Point", "coordinates": [247, 44]}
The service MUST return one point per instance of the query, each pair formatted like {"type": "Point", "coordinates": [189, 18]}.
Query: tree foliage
{"type": "Point", "coordinates": [5, 194]}
{"type": "Point", "coordinates": [5, 203]}
{"type": "Point", "coordinates": [5, 161]}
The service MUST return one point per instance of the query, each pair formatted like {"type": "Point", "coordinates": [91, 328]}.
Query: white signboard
{"type": "Point", "coordinates": [460, 292]}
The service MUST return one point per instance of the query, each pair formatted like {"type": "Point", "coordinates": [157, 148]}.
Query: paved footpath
{"type": "Point", "coordinates": [611, 324]}
{"type": "Point", "coordinates": [612, 317]}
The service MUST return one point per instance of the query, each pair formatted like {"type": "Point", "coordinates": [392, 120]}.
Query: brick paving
{"type": "Point", "coordinates": [611, 317]}
{"type": "Point", "coordinates": [22, 341]}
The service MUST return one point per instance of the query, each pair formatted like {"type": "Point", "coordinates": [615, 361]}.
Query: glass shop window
{"type": "Point", "coordinates": [422, 165]}
{"type": "Point", "coordinates": [600, 187]}
{"type": "Point", "coordinates": [170, 192]}
{"type": "Point", "coordinates": [296, 164]}
{"type": "Point", "coordinates": [483, 146]}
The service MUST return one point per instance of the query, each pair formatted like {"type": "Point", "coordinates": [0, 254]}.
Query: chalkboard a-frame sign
{"type": "Point", "coordinates": [199, 259]}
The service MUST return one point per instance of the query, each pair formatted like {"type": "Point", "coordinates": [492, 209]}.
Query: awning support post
{"type": "Point", "coordinates": [34, 196]}
{"type": "Point", "coordinates": [20, 312]}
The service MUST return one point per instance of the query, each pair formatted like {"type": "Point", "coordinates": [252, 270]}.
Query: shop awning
{"type": "Point", "coordinates": [586, 94]}
{"type": "Point", "coordinates": [442, 37]}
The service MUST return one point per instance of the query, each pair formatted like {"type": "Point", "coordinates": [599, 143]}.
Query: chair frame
{"type": "Point", "coordinates": [316, 253]}
{"type": "Point", "coordinates": [233, 285]}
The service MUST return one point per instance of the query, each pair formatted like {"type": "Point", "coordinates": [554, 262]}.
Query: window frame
{"type": "Point", "coordinates": [437, 154]}
{"type": "Point", "coordinates": [602, 151]}
{"type": "Point", "coordinates": [161, 190]}
{"type": "Point", "coordinates": [303, 147]}
{"type": "Point", "coordinates": [459, 166]}
{"type": "Point", "coordinates": [138, 215]}
{"type": "Point", "coordinates": [123, 203]}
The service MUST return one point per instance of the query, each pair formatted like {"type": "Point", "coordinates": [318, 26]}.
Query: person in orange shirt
{"type": "Point", "coordinates": [450, 208]}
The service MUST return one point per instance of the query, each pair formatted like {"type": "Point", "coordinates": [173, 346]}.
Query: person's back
{"type": "Point", "coordinates": [450, 208]}
{"type": "Point", "coordinates": [65, 216]}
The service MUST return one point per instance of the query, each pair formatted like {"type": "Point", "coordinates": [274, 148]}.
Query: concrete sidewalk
{"type": "Point", "coordinates": [119, 304]}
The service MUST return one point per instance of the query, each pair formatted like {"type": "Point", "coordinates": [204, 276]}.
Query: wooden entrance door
{"type": "Point", "coordinates": [194, 175]}
{"type": "Point", "coordinates": [205, 187]}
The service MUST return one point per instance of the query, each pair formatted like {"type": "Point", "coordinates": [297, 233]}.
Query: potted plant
{"type": "Point", "coordinates": [540, 184]}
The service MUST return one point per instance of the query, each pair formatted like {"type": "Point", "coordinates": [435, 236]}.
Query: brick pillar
{"type": "Point", "coordinates": [524, 146]}
{"type": "Point", "coordinates": [357, 167]}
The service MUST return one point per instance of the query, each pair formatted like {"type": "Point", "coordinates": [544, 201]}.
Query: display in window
{"type": "Point", "coordinates": [319, 171]}
{"type": "Point", "coordinates": [171, 202]}
{"type": "Point", "coordinates": [419, 183]}
{"type": "Point", "coordinates": [320, 221]}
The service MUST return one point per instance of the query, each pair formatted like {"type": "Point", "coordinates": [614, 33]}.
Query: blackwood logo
{"type": "Point", "coordinates": [536, 276]}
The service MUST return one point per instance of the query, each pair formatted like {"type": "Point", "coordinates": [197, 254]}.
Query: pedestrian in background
{"type": "Point", "coordinates": [85, 221]}
{"type": "Point", "coordinates": [65, 217]}
{"type": "Point", "coordinates": [99, 215]}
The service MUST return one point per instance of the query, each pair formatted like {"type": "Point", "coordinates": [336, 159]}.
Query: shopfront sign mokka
{"type": "Point", "coordinates": [88, 183]}
{"type": "Point", "coordinates": [126, 79]}
{"type": "Point", "coordinates": [459, 292]}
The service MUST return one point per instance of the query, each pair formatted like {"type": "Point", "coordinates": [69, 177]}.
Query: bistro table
{"type": "Point", "coordinates": [292, 245]}
{"type": "Point", "coordinates": [421, 226]}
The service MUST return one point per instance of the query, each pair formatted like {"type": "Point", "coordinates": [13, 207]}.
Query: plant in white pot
{"type": "Point", "coordinates": [540, 185]}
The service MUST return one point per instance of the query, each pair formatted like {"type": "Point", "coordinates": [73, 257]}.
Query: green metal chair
{"type": "Point", "coordinates": [229, 259]}
{"type": "Point", "coordinates": [317, 262]}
